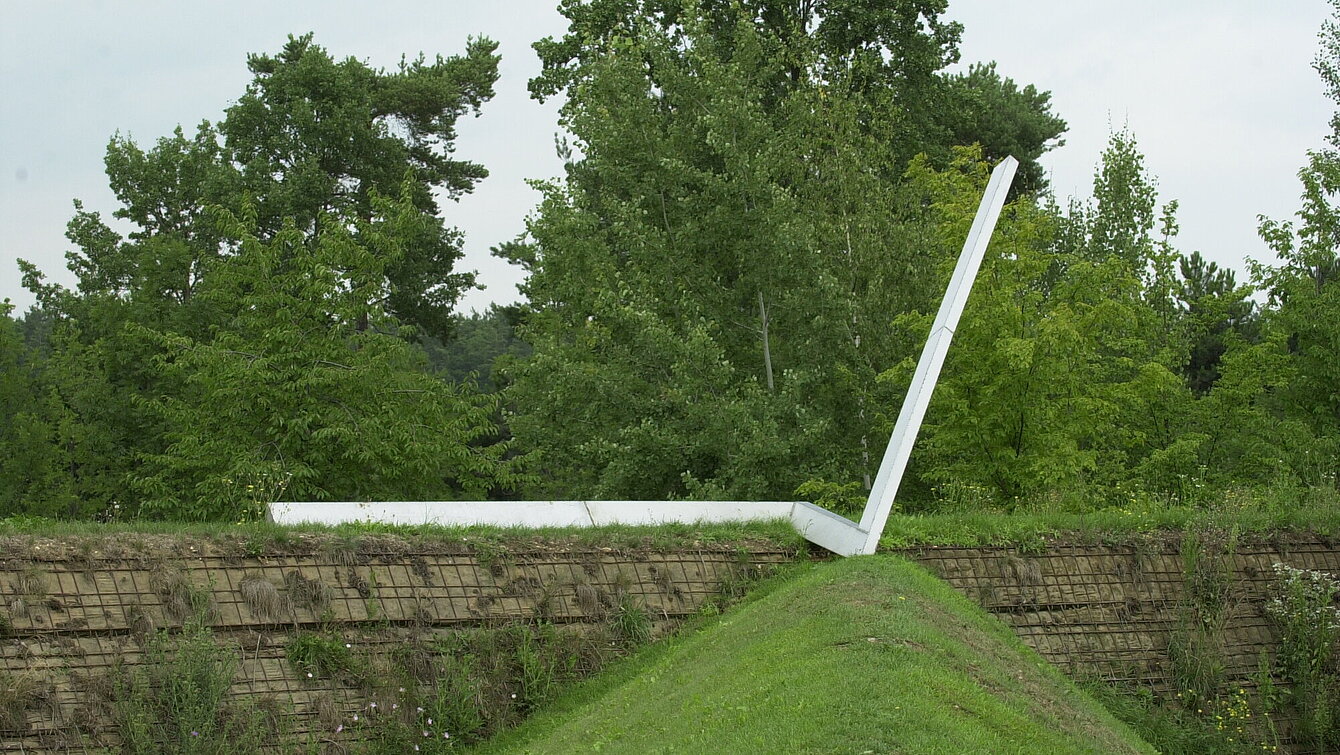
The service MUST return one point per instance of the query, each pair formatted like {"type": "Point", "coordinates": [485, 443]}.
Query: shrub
{"type": "Point", "coordinates": [1303, 609]}
{"type": "Point", "coordinates": [177, 701]}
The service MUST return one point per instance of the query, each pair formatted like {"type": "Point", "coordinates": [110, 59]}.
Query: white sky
{"type": "Point", "coordinates": [1220, 95]}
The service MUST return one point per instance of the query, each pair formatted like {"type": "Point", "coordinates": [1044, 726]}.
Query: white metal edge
{"type": "Point", "coordinates": [528, 513]}
{"type": "Point", "coordinates": [828, 530]}
{"type": "Point", "coordinates": [660, 512]}
{"type": "Point", "coordinates": [894, 463]}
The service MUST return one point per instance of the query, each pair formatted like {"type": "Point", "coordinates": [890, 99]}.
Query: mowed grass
{"type": "Point", "coordinates": [863, 655]}
{"type": "Point", "coordinates": [1318, 516]}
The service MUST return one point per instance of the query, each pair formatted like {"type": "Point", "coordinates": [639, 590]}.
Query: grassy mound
{"type": "Point", "coordinates": [861, 655]}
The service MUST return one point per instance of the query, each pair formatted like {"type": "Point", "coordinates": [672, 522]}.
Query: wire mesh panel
{"type": "Point", "coordinates": [76, 628]}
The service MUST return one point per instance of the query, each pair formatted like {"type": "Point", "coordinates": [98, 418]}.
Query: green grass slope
{"type": "Point", "coordinates": [863, 655]}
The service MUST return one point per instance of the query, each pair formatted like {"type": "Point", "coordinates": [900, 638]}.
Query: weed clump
{"type": "Point", "coordinates": [1303, 608]}
{"type": "Point", "coordinates": [177, 700]}
{"type": "Point", "coordinates": [323, 656]}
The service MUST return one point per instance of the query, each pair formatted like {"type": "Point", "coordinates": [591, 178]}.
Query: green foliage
{"type": "Point", "coordinates": [1303, 608]}
{"type": "Point", "coordinates": [250, 337]}
{"type": "Point", "coordinates": [712, 283]}
{"type": "Point", "coordinates": [1229, 725]}
{"type": "Point", "coordinates": [1218, 313]}
{"type": "Point", "coordinates": [31, 479]}
{"type": "Point", "coordinates": [847, 499]}
{"type": "Point", "coordinates": [477, 343]}
{"type": "Point", "coordinates": [313, 136]}
{"type": "Point", "coordinates": [630, 622]}
{"type": "Point", "coordinates": [308, 385]}
{"type": "Point", "coordinates": [991, 110]}
{"type": "Point", "coordinates": [324, 656]}
{"type": "Point", "coordinates": [178, 702]}
{"type": "Point", "coordinates": [1305, 288]}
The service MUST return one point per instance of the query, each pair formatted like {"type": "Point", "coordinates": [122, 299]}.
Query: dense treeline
{"type": "Point", "coordinates": [761, 205]}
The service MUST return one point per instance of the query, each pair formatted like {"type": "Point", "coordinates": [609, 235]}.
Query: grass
{"type": "Point", "coordinates": [256, 538]}
{"type": "Point", "coordinates": [1107, 526]}
{"type": "Point", "coordinates": [861, 655]}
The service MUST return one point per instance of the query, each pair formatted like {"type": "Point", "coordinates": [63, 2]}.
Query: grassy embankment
{"type": "Point", "coordinates": [861, 655]}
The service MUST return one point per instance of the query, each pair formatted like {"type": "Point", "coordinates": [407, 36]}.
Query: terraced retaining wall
{"type": "Point", "coordinates": [72, 616]}
{"type": "Point", "coordinates": [1109, 611]}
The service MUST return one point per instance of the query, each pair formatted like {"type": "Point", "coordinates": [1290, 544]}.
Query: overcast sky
{"type": "Point", "coordinates": [1220, 95]}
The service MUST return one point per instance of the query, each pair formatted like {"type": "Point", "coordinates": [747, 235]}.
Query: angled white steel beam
{"type": "Point", "coordinates": [880, 503]}
{"type": "Point", "coordinates": [819, 526]}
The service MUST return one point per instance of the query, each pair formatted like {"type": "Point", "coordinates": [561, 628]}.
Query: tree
{"type": "Point", "coordinates": [738, 189]}
{"type": "Point", "coordinates": [314, 136]}
{"type": "Point", "coordinates": [1305, 291]}
{"type": "Point", "coordinates": [992, 110]}
{"type": "Point", "coordinates": [1304, 286]}
{"type": "Point", "coordinates": [306, 150]}
{"type": "Point", "coordinates": [309, 136]}
{"type": "Point", "coordinates": [479, 341]}
{"type": "Point", "coordinates": [1216, 311]}
{"type": "Point", "coordinates": [294, 397]}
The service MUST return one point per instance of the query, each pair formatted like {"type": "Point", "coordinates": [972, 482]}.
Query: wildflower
{"type": "Point", "coordinates": [372, 705]}
{"type": "Point", "coordinates": [355, 716]}
{"type": "Point", "coordinates": [446, 735]}
{"type": "Point", "coordinates": [309, 675]}
{"type": "Point", "coordinates": [339, 728]}
{"type": "Point", "coordinates": [195, 733]}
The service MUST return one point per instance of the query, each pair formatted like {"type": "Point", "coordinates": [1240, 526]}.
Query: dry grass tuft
{"type": "Point", "coordinates": [304, 592]}
{"type": "Point", "coordinates": [264, 599]}
{"type": "Point", "coordinates": [588, 598]}
{"type": "Point", "coordinates": [20, 694]}
{"type": "Point", "coordinates": [342, 551]}
{"type": "Point", "coordinates": [181, 600]}
{"type": "Point", "coordinates": [328, 714]}
{"type": "Point", "coordinates": [29, 584]}
{"type": "Point", "coordinates": [142, 625]}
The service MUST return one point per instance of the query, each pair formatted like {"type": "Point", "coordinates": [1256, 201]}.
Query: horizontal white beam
{"type": "Point", "coordinates": [529, 513]}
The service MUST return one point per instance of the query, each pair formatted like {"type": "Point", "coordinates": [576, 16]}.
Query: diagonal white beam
{"type": "Point", "coordinates": [824, 528]}
{"type": "Point", "coordinates": [880, 503]}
